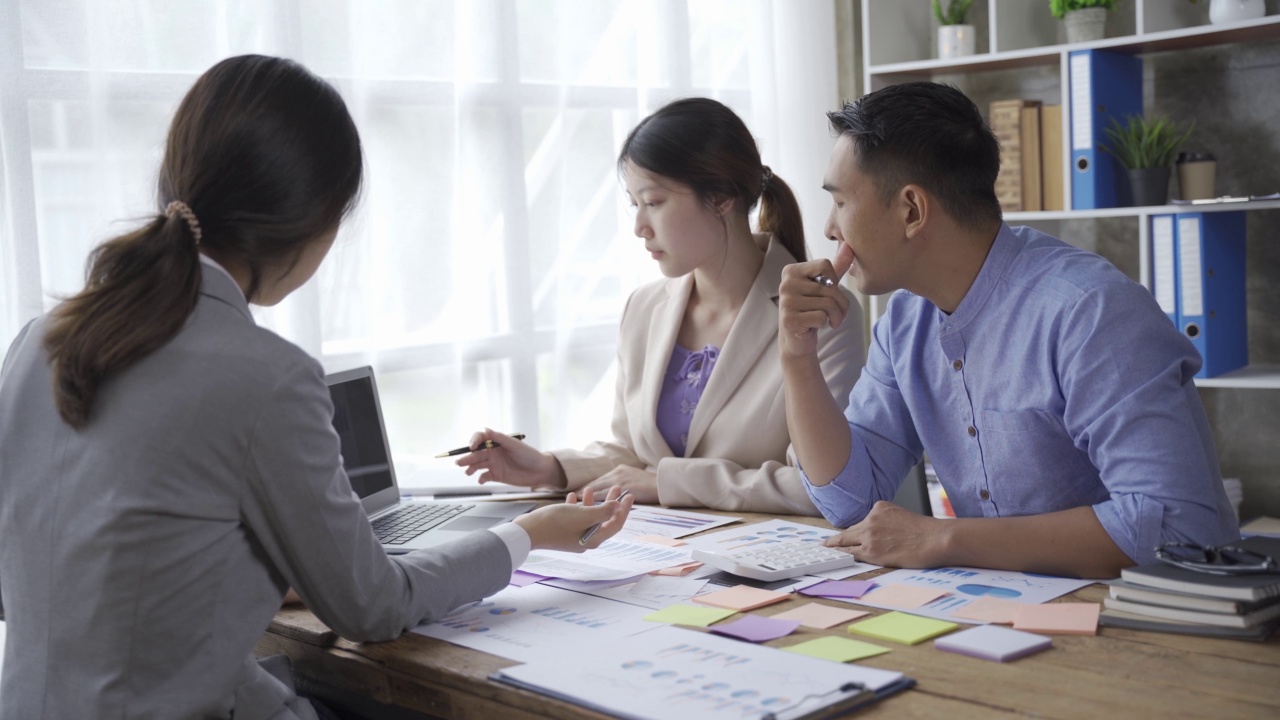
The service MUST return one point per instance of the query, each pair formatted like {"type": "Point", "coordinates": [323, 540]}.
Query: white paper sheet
{"type": "Point", "coordinates": [665, 522]}
{"type": "Point", "coordinates": [613, 560]}
{"type": "Point", "coordinates": [966, 585]}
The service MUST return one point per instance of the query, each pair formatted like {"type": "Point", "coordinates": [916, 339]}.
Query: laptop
{"type": "Point", "coordinates": [366, 455]}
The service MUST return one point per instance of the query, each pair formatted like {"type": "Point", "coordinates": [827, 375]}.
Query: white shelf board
{"type": "Point", "coordinates": [1263, 28]}
{"type": "Point", "coordinates": [1253, 377]}
{"type": "Point", "coordinates": [1012, 217]}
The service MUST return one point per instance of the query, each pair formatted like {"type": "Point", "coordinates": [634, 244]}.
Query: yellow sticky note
{"type": "Point", "coordinates": [837, 649]}
{"type": "Point", "coordinates": [1058, 618]}
{"type": "Point", "coordinates": [821, 617]}
{"type": "Point", "coordinates": [660, 540]}
{"type": "Point", "coordinates": [906, 597]}
{"type": "Point", "coordinates": [689, 615]}
{"type": "Point", "coordinates": [742, 598]}
{"type": "Point", "coordinates": [902, 628]}
{"type": "Point", "coordinates": [989, 609]}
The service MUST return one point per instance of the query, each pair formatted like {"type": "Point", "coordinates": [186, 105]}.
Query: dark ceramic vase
{"type": "Point", "coordinates": [1149, 186]}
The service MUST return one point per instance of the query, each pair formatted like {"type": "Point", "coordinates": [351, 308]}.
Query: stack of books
{"type": "Point", "coordinates": [1031, 155]}
{"type": "Point", "coordinates": [1173, 599]}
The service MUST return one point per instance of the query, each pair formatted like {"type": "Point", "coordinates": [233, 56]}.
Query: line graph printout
{"type": "Point", "coordinates": [614, 560]}
{"type": "Point", "coordinates": [676, 673]}
{"type": "Point", "coordinates": [665, 522]}
{"type": "Point", "coordinates": [535, 622]}
{"type": "Point", "coordinates": [965, 585]}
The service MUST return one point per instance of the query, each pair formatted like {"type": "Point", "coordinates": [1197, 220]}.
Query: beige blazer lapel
{"type": "Point", "coordinates": [664, 326]}
{"type": "Point", "coordinates": [752, 333]}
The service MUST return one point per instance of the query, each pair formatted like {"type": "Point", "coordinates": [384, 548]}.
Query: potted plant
{"type": "Point", "coordinates": [1086, 19]}
{"type": "Point", "coordinates": [955, 37]}
{"type": "Point", "coordinates": [1146, 148]}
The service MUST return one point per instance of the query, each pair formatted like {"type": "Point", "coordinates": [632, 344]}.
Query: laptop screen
{"type": "Point", "coordinates": [358, 421]}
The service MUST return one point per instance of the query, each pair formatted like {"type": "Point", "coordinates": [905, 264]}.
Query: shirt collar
{"type": "Point", "coordinates": [217, 283]}
{"type": "Point", "coordinates": [1006, 246]}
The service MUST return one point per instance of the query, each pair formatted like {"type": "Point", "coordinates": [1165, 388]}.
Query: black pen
{"type": "Point", "coordinates": [586, 536]}
{"type": "Point", "coordinates": [482, 446]}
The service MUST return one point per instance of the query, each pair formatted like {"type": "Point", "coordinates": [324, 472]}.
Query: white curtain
{"type": "Point", "coordinates": [486, 268]}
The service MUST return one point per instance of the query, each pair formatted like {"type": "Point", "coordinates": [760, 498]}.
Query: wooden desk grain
{"type": "Point", "coordinates": [1117, 674]}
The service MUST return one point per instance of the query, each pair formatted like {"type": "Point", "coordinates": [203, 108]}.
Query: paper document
{"type": "Point", "coordinates": [613, 560]}
{"type": "Point", "coordinates": [537, 622]}
{"type": "Point", "coordinates": [966, 585]}
{"type": "Point", "coordinates": [676, 673]}
{"type": "Point", "coordinates": [669, 523]}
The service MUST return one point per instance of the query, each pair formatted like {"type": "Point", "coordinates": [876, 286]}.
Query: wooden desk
{"type": "Point", "coordinates": [1117, 674]}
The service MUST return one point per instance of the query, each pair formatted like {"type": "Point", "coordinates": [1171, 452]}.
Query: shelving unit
{"type": "Point", "coordinates": [897, 46]}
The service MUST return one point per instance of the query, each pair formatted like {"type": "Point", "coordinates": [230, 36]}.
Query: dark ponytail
{"type": "Point", "coordinates": [267, 159]}
{"type": "Point", "coordinates": [701, 143]}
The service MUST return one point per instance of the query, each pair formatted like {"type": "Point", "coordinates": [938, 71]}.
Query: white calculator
{"type": "Point", "coordinates": [778, 560]}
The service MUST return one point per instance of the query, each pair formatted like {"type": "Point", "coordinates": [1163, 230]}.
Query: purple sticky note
{"type": "Point", "coordinates": [520, 578]}
{"type": "Point", "coordinates": [755, 628]}
{"type": "Point", "coordinates": [839, 588]}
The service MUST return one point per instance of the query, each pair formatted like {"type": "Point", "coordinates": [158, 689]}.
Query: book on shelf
{"type": "Point", "coordinates": [1005, 120]}
{"type": "Point", "coordinates": [1248, 588]}
{"type": "Point", "coordinates": [1051, 162]}
{"type": "Point", "coordinates": [1029, 139]}
{"type": "Point", "coordinates": [1121, 619]}
{"type": "Point", "coordinates": [1122, 590]}
{"type": "Point", "coordinates": [1256, 617]}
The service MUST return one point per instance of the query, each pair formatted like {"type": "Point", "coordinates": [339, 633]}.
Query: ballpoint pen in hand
{"type": "Point", "coordinates": [586, 536]}
{"type": "Point", "coordinates": [482, 446]}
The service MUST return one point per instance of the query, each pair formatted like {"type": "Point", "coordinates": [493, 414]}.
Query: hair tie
{"type": "Point", "coordinates": [767, 176]}
{"type": "Point", "coordinates": [180, 208]}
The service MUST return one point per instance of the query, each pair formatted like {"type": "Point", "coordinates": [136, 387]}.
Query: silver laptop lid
{"type": "Point", "coordinates": [366, 455]}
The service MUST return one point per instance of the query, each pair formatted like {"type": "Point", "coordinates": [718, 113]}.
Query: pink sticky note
{"type": "Point", "coordinates": [678, 570]}
{"type": "Point", "coordinates": [754, 628]}
{"type": "Point", "coordinates": [989, 609]}
{"type": "Point", "coordinates": [660, 540]}
{"type": "Point", "coordinates": [1058, 618]}
{"type": "Point", "coordinates": [520, 578]}
{"type": "Point", "coordinates": [820, 617]}
{"type": "Point", "coordinates": [839, 588]}
{"type": "Point", "coordinates": [741, 598]}
{"type": "Point", "coordinates": [903, 597]}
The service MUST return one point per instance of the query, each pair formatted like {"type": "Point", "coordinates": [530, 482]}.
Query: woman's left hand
{"type": "Point", "coordinates": [642, 483]}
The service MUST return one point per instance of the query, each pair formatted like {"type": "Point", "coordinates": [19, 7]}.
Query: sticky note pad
{"type": "Point", "coordinates": [755, 628]}
{"type": "Point", "coordinates": [1058, 618]}
{"type": "Point", "coordinates": [989, 609]}
{"type": "Point", "coordinates": [903, 628]}
{"type": "Point", "coordinates": [742, 597]}
{"type": "Point", "coordinates": [992, 642]}
{"type": "Point", "coordinates": [906, 597]}
{"type": "Point", "coordinates": [820, 617]}
{"type": "Point", "coordinates": [839, 588]}
{"type": "Point", "coordinates": [689, 615]}
{"type": "Point", "coordinates": [678, 570]}
{"type": "Point", "coordinates": [837, 649]}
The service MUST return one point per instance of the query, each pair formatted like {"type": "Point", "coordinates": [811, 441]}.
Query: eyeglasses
{"type": "Point", "coordinates": [1224, 560]}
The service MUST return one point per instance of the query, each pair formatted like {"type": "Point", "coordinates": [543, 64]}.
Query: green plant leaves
{"type": "Point", "coordinates": [955, 13]}
{"type": "Point", "coordinates": [1142, 143]}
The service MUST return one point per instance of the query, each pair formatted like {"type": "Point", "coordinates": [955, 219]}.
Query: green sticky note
{"type": "Point", "coordinates": [837, 648]}
{"type": "Point", "coordinates": [689, 615]}
{"type": "Point", "coordinates": [902, 627]}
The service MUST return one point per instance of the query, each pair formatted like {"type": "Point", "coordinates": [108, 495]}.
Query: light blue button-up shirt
{"type": "Point", "coordinates": [1057, 383]}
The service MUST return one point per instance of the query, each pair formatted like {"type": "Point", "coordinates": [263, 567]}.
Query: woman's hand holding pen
{"type": "Point", "coordinates": [508, 460]}
{"type": "Point", "coordinates": [809, 299]}
{"type": "Point", "coordinates": [561, 526]}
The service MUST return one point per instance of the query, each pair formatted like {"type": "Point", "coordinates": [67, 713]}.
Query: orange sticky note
{"type": "Point", "coordinates": [741, 598]}
{"type": "Point", "coordinates": [660, 540]}
{"type": "Point", "coordinates": [1058, 618]}
{"type": "Point", "coordinates": [678, 570]}
{"type": "Point", "coordinates": [989, 609]}
{"type": "Point", "coordinates": [818, 616]}
{"type": "Point", "coordinates": [903, 597]}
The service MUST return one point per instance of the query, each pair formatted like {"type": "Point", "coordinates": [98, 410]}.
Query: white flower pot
{"type": "Point", "coordinates": [1086, 25]}
{"type": "Point", "coordinates": [955, 41]}
{"type": "Point", "coordinates": [1229, 11]}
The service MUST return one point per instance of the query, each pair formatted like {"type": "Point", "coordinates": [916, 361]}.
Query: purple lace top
{"type": "Point", "coordinates": [682, 386]}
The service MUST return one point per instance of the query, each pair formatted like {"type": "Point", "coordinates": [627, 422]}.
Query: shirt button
{"type": "Point", "coordinates": [973, 432]}
{"type": "Point", "coordinates": [957, 364]}
{"type": "Point", "coordinates": [984, 495]}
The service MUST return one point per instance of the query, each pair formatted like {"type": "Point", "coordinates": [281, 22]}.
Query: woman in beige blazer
{"type": "Point", "coordinates": [699, 418]}
{"type": "Point", "coordinates": [169, 468]}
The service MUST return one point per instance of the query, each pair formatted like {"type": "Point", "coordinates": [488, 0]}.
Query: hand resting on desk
{"type": "Point", "coordinates": [642, 483]}
{"type": "Point", "coordinates": [893, 536]}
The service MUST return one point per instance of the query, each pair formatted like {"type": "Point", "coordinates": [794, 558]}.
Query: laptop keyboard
{"type": "Point", "coordinates": [410, 521]}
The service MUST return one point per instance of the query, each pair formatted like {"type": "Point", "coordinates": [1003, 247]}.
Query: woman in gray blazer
{"type": "Point", "coordinates": [168, 469]}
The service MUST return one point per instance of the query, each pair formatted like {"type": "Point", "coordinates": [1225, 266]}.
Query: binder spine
{"type": "Point", "coordinates": [1104, 85]}
{"type": "Point", "coordinates": [1164, 269]}
{"type": "Point", "coordinates": [1212, 305]}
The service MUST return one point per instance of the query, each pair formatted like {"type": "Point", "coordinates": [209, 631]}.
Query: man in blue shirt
{"type": "Point", "coordinates": [1053, 396]}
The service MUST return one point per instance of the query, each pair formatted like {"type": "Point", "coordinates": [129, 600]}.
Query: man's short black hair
{"type": "Point", "coordinates": [929, 134]}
